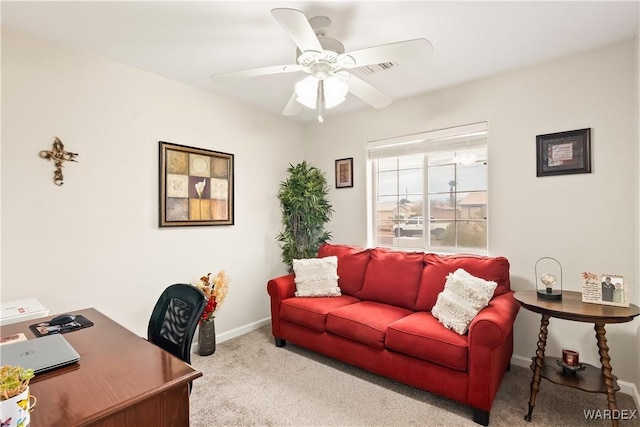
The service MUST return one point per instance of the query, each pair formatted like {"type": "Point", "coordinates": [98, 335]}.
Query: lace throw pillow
{"type": "Point", "coordinates": [462, 299]}
{"type": "Point", "coordinates": [316, 277]}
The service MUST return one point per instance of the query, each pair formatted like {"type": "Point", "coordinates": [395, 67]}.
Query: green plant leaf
{"type": "Point", "coordinates": [305, 211]}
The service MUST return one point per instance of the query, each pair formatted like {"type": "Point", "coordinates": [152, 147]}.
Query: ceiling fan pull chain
{"type": "Point", "coordinates": [320, 101]}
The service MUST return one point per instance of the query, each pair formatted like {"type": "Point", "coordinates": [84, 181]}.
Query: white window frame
{"type": "Point", "coordinates": [449, 139]}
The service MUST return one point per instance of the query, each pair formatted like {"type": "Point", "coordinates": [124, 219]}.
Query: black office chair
{"type": "Point", "coordinates": [174, 319]}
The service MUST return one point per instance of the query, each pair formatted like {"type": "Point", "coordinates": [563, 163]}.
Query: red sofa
{"type": "Point", "coordinates": [382, 322]}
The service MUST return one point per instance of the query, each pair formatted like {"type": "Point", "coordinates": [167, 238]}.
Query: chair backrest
{"type": "Point", "coordinates": [174, 319]}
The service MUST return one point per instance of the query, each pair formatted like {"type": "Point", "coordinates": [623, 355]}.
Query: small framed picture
{"type": "Point", "coordinates": [564, 153]}
{"type": "Point", "coordinates": [606, 289]}
{"type": "Point", "coordinates": [344, 173]}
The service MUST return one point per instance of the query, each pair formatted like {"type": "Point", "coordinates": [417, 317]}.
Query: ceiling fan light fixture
{"type": "Point", "coordinates": [335, 91]}
{"type": "Point", "coordinates": [333, 88]}
{"type": "Point", "coordinates": [306, 90]}
{"type": "Point", "coordinates": [325, 60]}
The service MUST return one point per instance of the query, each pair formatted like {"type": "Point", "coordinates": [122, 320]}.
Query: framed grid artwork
{"type": "Point", "coordinates": [196, 186]}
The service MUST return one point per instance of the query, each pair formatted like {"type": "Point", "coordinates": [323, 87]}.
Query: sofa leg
{"type": "Point", "coordinates": [509, 367]}
{"type": "Point", "coordinates": [280, 342]}
{"type": "Point", "coordinates": [481, 417]}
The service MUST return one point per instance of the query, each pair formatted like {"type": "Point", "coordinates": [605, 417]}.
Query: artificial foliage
{"type": "Point", "coordinates": [305, 211]}
{"type": "Point", "coordinates": [13, 381]}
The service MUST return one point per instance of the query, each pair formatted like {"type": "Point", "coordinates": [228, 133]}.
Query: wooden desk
{"type": "Point", "coordinates": [120, 380]}
{"type": "Point", "coordinates": [571, 307]}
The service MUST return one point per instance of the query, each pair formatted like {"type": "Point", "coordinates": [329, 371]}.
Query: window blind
{"type": "Point", "coordinates": [450, 139]}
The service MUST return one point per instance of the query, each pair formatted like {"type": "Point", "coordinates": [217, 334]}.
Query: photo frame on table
{"type": "Point", "coordinates": [196, 186]}
{"type": "Point", "coordinates": [344, 173]}
{"type": "Point", "coordinates": [605, 289]}
{"type": "Point", "coordinates": [564, 153]}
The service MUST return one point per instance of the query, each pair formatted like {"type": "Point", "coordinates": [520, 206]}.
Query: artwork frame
{"type": "Point", "coordinates": [563, 153]}
{"type": "Point", "coordinates": [196, 186]}
{"type": "Point", "coordinates": [605, 289]}
{"type": "Point", "coordinates": [344, 173]}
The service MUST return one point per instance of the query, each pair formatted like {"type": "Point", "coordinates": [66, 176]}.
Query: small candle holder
{"type": "Point", "coordinates": [570, 357]}
{"type": "Point", "coordinates": [570, 362]}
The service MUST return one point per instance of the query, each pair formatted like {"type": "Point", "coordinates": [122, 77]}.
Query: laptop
{"type": "Point", "coordinates": [40, 354]}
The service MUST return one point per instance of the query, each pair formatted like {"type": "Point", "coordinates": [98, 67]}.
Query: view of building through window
{"type": "Point", "coordinates": [431, 193]}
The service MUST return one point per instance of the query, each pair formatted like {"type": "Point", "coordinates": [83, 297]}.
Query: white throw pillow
{"type": "Point", "coordinates": [317, 277]}
{"type": "Point", "coordinates": [462, 299]}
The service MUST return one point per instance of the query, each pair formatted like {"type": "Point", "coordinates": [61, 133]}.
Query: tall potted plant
{"type": "Point", "coordinates": [305, 211]}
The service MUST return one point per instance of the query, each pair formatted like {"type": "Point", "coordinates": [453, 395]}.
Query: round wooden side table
{"type": "Point", "coordinates": [571, 307]}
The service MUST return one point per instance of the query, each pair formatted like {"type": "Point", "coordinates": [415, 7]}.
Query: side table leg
{"type": "Point", "coordinates": [605, 360]}
{"type": "Point", "coordinates": [539, 364]}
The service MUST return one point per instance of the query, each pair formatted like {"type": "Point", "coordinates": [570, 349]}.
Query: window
{"type": "Point", "coordinates": [429, 191]}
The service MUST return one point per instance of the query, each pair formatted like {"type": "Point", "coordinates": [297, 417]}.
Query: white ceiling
{"type": "Point", "coordinates": [190, 41]}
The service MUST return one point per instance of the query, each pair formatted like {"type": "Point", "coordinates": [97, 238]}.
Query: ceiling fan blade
{"type": "Point", "coordinates": [255, 72]}
{"type": "Point", "coordinates": [393, 52]}
{"type": "Point", "coordinates": [368, 93]}
{"type": "Point", "coordinates": [298, 27]}
{"type": "Point", "coordinates": [293, 107]}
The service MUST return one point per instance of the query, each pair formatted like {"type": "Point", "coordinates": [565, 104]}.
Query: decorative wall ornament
{"type": "Point", "coordinates": [59, 155]}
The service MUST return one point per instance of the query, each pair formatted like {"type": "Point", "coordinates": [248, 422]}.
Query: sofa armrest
{"type": "Point", "coordinates": [282, 287]}
{"type": "Point", "coordinates": [490, 349]}
{"type": "Point", "coordinates": [494, 323]}
{"type": "Point", "coordinates": [279, 288]}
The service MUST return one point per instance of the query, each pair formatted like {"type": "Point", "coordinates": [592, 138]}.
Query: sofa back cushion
{"type": "Point", "coordinates": [437, 267]}
{"type": "Point", "coordinates": [393, 277]}
{"type": "Point", "coordinates": [352, 264]}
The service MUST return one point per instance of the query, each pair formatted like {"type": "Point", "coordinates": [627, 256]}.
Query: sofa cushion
{"type": "Point", "coordinates": [352, 264]}
{"type": "Point", "coordinates": [393, 277]}
{"type": "Point", "coordinates": [312, 312]}
{"type": "Point", "coordinates": [365, 322]}
{"type": "Point", "coordinates": [316, 277]}
{"type": "Point", "coordinates": [437, 267]}
{"type": "Point", "coordinates": [420, 335]}
{"type": "Point", "coordinates": [463, 297]}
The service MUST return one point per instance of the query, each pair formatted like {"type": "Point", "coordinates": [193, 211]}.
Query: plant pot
{"type": "Point", "coordinates": [16, 411]}
{"type": "Point", "coordinates": [207, 338]}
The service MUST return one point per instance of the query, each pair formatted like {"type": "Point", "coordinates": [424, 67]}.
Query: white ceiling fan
{"type": "Point", "coordinates": [327, 64]}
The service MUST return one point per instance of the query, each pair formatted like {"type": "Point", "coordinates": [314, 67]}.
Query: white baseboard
{"type": "Point", "coordinates": [225, 336]}
{"type": "Point", "coordinates": [243, 330]}
{"type": "Point", "coordinates": [626, 387]}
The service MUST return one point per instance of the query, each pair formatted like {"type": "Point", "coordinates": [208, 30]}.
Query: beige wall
{"type": "Point", "coordinates": [587, 221]}
{"type": "Point", "coordinates": [95, 241]}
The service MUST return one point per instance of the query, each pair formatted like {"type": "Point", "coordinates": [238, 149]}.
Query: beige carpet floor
{"type": "Point", "coordinates": [248, 381]}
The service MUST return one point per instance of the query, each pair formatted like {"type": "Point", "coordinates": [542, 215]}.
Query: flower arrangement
{"type": "Point", "coordinates": [14, 380]}
{"type": "Point", "coordinates": [216, 290]}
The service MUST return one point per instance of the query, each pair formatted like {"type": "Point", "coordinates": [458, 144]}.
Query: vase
{"type": "Point", "coordinates": [16, 411]}
{"type": "Point", "coordinates": [207, 338]}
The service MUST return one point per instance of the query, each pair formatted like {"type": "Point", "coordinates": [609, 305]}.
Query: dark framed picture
{"type": "Point", "coordinates": [564, 153]}
{"type": "Point", "coordinates": [344, 173]}
{"type": "Point", "coordinates": [196, 186]}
